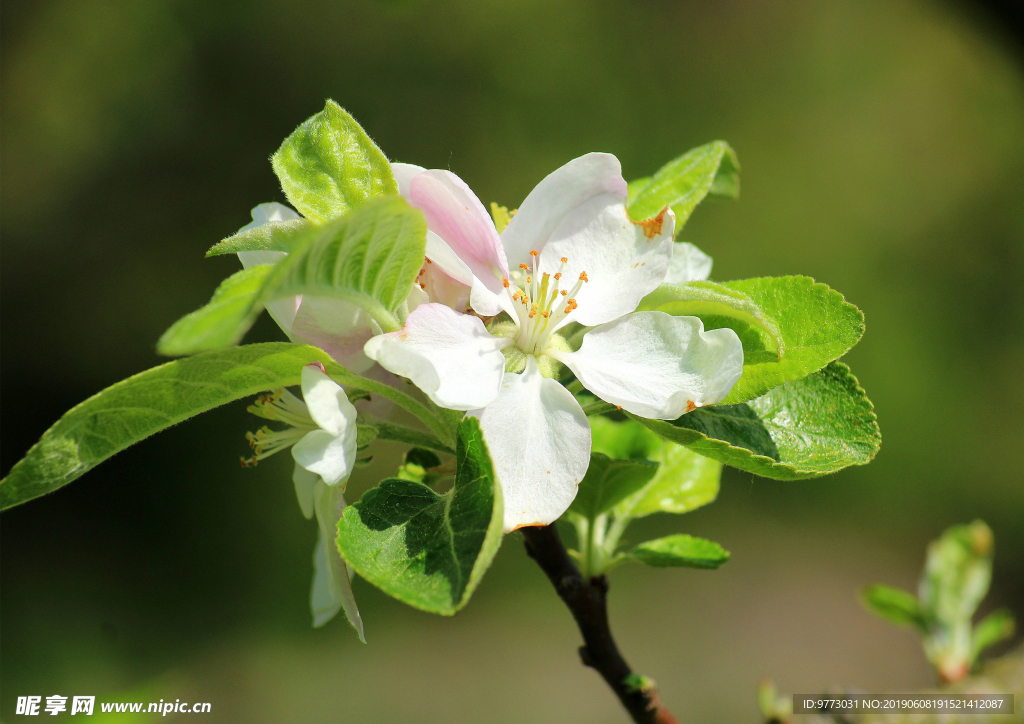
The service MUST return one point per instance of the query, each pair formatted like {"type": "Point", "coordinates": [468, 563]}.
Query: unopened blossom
{"type": "Point", "coordinates": [570, 254]}
{"type": "Point", "coordinates": [321, 433]}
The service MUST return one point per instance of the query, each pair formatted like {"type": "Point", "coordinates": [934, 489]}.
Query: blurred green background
{"type": "Point", "coordinates": [882, 146]}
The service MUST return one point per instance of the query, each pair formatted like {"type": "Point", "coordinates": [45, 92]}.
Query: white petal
{"type": "Point", "coordinates": [657, 366]}
{"type": "Point", "coordinates": [450, 356]}
{"type": "Point", "coordinates": [305, 483]}
{"type": "Point", "coordinates": [332, 458]}
{"type": "Point", "coordinates": [282, 310]}
{"type": "Point", "coordinates": [622, 263]}
{"type": "Point", "coordinates": [337, 327]}
{"type": "Point", "coordinates": [327, 402]}
{"type": "Point", "coordinates": [403, 175]}
{"type": "Point", "coordinates": [485, 302]}
{"type": "Point", "coordinates": [265, 213]}
{"type": "Point", "coordinates": [689, 264]}
{"type": "Point", "coordinates": [332, 586]}
{"type": "Point", "coordinates": [539, 440]}
{"type": "Point", "coordinates": [562, 191]}
{"type": "Point", "coordinates": [415, 298]}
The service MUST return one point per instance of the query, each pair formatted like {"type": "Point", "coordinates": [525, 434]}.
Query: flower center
{"type": "Point", "coordinates": [540, 303]}
{"type": "Point", "coordinates": [280, 405]}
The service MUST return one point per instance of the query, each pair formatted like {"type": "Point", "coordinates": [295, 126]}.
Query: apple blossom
{"type": "Point", "coordinates": [321, 433]}
{"type": "Point", "coordinates": [570, 254]}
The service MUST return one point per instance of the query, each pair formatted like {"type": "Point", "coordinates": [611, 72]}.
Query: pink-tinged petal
{"type": "Point", "coordinates": [338, 328]}
{"type": "Point", "coordinates": [562, 191]}
{"type": "Point", "coordinates": [450, 356]}
{"type": "Point", "coordinates": [657, 366]}
{"type": "Point", "coordinates": [539, 440]}
{"type": "Point", "coordinates": [441, 288]}
{"type": "Point", "coordinates": [442, 255]}
{"type": "Point", "coordinates": [456, 215]}
{"type": "Point", "coordinates": [403, 173]}
{"type": "Point", "coordinates": [623, 261]}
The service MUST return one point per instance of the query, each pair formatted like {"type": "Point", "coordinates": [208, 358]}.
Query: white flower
{"type": "Point", "coordinates": [322, 434]}
{"type": "Point", "coordinates": [570, 254]}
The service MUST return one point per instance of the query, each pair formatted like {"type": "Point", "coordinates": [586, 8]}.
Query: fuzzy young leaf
{"type": "Point", "coordinates": [806, 428]}
{"type": "Point", "coordinates": [212, 327]}
{"type": "Point", "coordinates": [369, 258]}
{"type": "Point", "coordinates": [894, 605]}
{"type": "Point", "coordinates": [147, 403]}
{"type": "Point", "coordinates": [608, 481]}
{"type": "Point", "coordinates": [680, 551]}
{"type": "Point", "coordinates": [997, 626]}
{"type": "Point", "coordinates": [408, 435]}
{"type": "Point", "coordinates": [712, 301]}
{"type": "Point", "coordinates": [684, 182]}
{"type": "Point", "coordinates": [425, 549]}
{"type": "Point", "coordinates": [328, 165]}
{"type": "Point", "coordinates": [273, 236]}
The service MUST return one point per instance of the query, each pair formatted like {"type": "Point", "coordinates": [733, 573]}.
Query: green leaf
{"type": "Point", "coordinates": [894, 605]}
{"type": "Point", "coordinates": [997, 626]}
{"type": "Point", "coordinates": [817, 326]}
{"type": "Point", "coordinates": [147, 403]}
{"type": "Point", "coordinates": [407, 435]}
{"type": "Point", "coordinates": [680, 551]}
{"type": "Point", "coordinates": [210, 327]}
{"type": "Point", "coordinates": [684, 481]}
{"type": "Point", "coordinates": [369, 258]}
{"type": "Point", "coordinates": [328, 165]}
{"type": "Point", "coordinates": [684, 182]}
{"type": "Point", "coordinates": [607, 482]}
{"type": "Point", "coordinates": [806, 428]}
{"type": "Point", "coordinates": [273, 236]}
{"type": "Point", "coordinates": [425, 549]}
{"type": "Point", "coordinates": [789, 326]}
{"type": "Point", "coordinates": [714, 301]}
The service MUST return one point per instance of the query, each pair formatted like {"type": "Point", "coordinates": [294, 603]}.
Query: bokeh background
{"type": "Point", "coordinates": [882, 146]}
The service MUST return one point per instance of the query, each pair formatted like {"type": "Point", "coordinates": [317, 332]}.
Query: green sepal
{"type": "Point", "coordinates": [369, 258]}
{"type": "Point", "coordinates": [273, 236]}
{"type": "Point", "coordinates": [210, 327]}
{"type": "Point", "coordinates": [684, 182]}
{"type": "Point", "coordinates": [997, 626]}
{"type": "Point", "coordinates": [895, 605]}
{"type": "Point", "coordinates": [149, 402]}
{"type": "Point", "coordinates": [417, 465]}
{"type": "Point", "coordinates": [365, 435]}
{"type": "Point", "coordinates": [803, 429]}
{"type": "Point", "coordinates": [711, 300]}
{"type": "Point", "coordinates": [425, 549]}
{"type": "Point", "coordinates": [607, 482]}
{"type": "Point", "coordinates": [328, 165]}
{"type": "Point", "coordinates": [680, 550]}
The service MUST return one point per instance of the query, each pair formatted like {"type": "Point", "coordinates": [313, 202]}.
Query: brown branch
{"type": "Point", "coordinates": [587, 601]}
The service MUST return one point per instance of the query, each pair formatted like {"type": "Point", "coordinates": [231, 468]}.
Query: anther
{"type": "Point", "coordinates": [545, 314]}
{"type": "Point", "coordinates": [504, 283]}
{"type": "Point", "coordinates": [529, 280]}
{"type": "Point", "coordinates": [558, 275]}
{"type": "Point", "coordinates": [533, 253]}
{"type": "Point", "coordinates": [565, 260]}
{"type": "Point", "coordinates": [564, 292]}
{"type": "Point", "coordinates": [583, 277]}
{"type": "Point", "coordinates": [524, 267]}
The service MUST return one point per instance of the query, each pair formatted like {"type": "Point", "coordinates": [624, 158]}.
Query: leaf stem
{"type": "Point", "coordinates": [586, 599]}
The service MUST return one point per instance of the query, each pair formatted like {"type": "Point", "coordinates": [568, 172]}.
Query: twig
{"type": "Point", "coordinates": [587, 601]}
